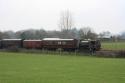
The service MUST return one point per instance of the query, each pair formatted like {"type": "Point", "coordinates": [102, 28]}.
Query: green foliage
{"type": "Point", "coordinates": [45, 68]}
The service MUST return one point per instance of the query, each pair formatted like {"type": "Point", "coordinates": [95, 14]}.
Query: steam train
{"type": "Point", "coordinates": [51, 44]}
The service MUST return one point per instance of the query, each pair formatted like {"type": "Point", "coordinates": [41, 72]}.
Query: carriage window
{"type": "Point", "coordinates": [49, 43]}
{"type": "Point", "coordinates": [59, 43]}
{"type": "Point", "coordinates": [69, 43]}
{"type": "Point", "coordinates": [63, 43]}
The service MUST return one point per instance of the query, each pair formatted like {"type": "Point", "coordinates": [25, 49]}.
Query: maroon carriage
{"type": "Point", "coordinates": [32, 44]}
{"type": "Point", "coordinates": [56, 43]}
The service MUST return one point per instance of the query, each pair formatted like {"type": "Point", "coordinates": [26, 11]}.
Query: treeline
{"type": "Point", "coordinates": [82, 33]}
{"type": "Point", "coordinates": [67, 30]}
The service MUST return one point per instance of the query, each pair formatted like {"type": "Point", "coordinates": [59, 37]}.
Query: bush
{"type": "Point", "coordinates": [12, 49]}
{"type": "Point", "coordinates": [112, 54]}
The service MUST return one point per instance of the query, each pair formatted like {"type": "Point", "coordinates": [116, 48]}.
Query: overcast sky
{"type": "Point", "coordinates": [101, 15]}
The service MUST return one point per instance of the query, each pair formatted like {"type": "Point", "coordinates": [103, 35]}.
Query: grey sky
{"type": "Point", "coordinates": [101, 15]}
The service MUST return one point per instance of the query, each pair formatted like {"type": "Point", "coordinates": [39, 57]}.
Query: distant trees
{"type": "Point", "coordinates": [83, 33]}
{"type": "Point", "coordinates": [32, 34]}
{"type": "Point", "coordinates": [67, 30]}
{"type": "Point", "coordinates": [123, 35]}
{"type": "Point", "coordinates": [66, 21]}
{"type": "Point", "coordinates": [8, 34]}
{"type": "Point", "coordinates": [105, 34]}
{"type": "Point", "coordinates": [66, 24]}
{"type": "Point", "coordinates": [87, 33]}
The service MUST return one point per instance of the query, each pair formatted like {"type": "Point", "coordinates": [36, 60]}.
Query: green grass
{"type": "Point", "coordinates": [113, 45]}
{"type": "Point", "coordinates": [41, 68]}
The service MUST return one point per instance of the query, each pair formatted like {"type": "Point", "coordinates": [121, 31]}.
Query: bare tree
{"type": "Point", "coordinates": [87, 33]}
{"type": "Point", "coordinates": [66, 24]}
{"type": "Point", "coordinates": [105, 34]}
{"type": "Point", "coordinates": [66, 21]}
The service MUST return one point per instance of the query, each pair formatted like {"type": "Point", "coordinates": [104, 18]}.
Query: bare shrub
{"type": "Point", "coordinates": [12, 49]}
{"type": "Point", "coordinates": [112, 54]}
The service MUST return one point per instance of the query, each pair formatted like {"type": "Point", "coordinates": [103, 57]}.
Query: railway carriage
{"type": "Point", "coordinates": [57, 43]}
{"type": "Point", "coordinates": [32, 44]}
{"type": "Point", "coordinates": [9, 43]}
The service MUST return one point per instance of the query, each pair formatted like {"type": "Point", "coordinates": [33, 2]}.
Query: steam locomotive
{"type": "Point", "coordinates": [52, 44]}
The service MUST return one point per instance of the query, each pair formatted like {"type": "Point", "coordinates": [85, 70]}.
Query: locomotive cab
{"type": "Point", "coordinates": [90, 44]}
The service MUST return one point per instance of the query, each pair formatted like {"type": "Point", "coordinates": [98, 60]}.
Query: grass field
{"type": "Point", "coordinates": [40, 68]}
{"type": "Point", "coordinates": [113, 45]}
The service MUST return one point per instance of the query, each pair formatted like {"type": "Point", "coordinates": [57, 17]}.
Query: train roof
{"type": "Point", "coordinates": [50, 38]}
{"type": "Point", "coordinates": [11, 39]}
{"type": "Point", "coordinates": [32, 40]}
{"type": "Point", "coordinates": [56, 39]}
{"type": "Point", "coordinates": [84, 41]}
